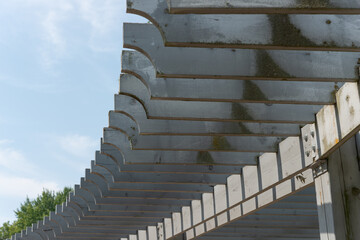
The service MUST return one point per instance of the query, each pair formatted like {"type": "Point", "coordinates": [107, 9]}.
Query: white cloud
{"type": "Point", "coordinates": [15, 170]}
{"type": "Point", "coordinates": [77, 145]}
{"type": "Point", "coordinates": [55, 43]}
{"type": "Point", "coordinates": [104, 19]}
{"type": "Point", "coordinates": [12, 186]}
{"type": "Point", "coordinates": [52, 31]}
{"type": "Point", "coordinates": [101, 16]}
{"type": "Point", "coordinates": [5, 141]}
{"type": "Point", "coordinates": [13, 160]}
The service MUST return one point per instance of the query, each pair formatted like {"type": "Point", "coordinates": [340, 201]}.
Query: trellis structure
{"type": "Point", "coordinates": [235, 119]}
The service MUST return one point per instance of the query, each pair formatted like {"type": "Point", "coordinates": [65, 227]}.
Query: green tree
{"type": "Point", "coordinates": [31, 211]}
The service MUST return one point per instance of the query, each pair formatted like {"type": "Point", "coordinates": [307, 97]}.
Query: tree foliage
{"type": "Point", "coordinates": [31, 211]}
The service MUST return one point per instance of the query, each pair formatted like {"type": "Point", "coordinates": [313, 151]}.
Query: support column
{"type": "Point", "coordinates": [338, 193]}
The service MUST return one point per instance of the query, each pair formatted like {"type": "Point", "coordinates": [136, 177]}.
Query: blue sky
{"type": "Point", "coordinates": [59, 70]}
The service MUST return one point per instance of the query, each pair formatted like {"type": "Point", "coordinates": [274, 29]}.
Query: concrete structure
{"type": "Point", "coordinates": [234, 120]}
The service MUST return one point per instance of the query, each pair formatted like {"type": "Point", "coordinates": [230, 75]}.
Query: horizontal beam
{"type": "Point", "coordinates": [263, 31]}
{"type": "Point", "coordinates": [140, 124]}
{"type": "Point", "coordinates": [199, 143]}
{"type": "Point", "coordinates": [263, 6]}
{"type": "Point", "coordinates": [244, 64]}
{"type": "Point", "coordinates": [221, 111]}
{"type": "Point", "coordinates": [141, 78]}
{"type": "Point", "coordinates": [200, 158]}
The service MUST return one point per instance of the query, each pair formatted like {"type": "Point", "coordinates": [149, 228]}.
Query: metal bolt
{"type": "Point", "coordinates": [312, 134]}
{"type": "Point", "coordinates": [306, 138]}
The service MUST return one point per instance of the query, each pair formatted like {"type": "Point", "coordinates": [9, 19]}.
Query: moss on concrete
{"type": "Point", "coordinates": [220, 143]}
{"type": "Point", "coordinates": [239, 112]}
{"type": "Point", "coordinates": [267, 67]}
{"type": "Point", "coordinates": [284, 33]}
{"type": "Point", "coordinates": [204, 157]}
{"type": "Point", "coordinates": [252, 92]}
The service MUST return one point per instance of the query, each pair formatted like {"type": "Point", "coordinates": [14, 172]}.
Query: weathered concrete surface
{"type": "Point", "coordinates": [239, 63]}
{"type": "Point", "coordinates": [263, 31]}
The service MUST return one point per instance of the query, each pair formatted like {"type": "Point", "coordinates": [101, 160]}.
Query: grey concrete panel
{"type": "Point", "coordinates": [168, 178]}
{"type": "Point", "coordinates": [205, 167]}
{"type": "Point", "coordinates": [284, 219]}
{"type": "Point", "coordinates": [135, 118]}
{"type": "Point", "coordinates": [114, 152]}
{"type": "Point", "coordinates": [86, 210]}
{"type": "Point", "coordinates": [147, 199]}
{"type": "Point", "coordinates": [182, 157]}
{"type": "Point", "coordinates": [150, 195]}
{"type": "Point", "coordinates": [52, 225]}
{"type": "Point", "coordinates": [270, 6]}
{"type": "Point", "coordinates": [251, 30]}
{"type": "Point", "coordinates": [117, 221]}
{"type": "Point", "coordinates": [18, 236]}
{"type": "Point", "coordinates": [275, 218]}
{"type": "Point", "coordinates": [239, 63]}
{"type": "Point", "coordinates": [198, 143]}
{"type": "Point", "coordinates": [123, 121]}
{"type": "Point", "coordinates": [91, 236]}
{"type": "Point", "coordinates": [38, 231]}
{"type": "Point", "coordinates": [158, 187]}
{"type": "Point", "coordinates": [141, 79]}
{"type": "Point", "coordinates": [84, 235]}
{"type": "Point", "coordinates": [108, 226]}
{"type": "Point", "coordinates": [224, 111]}
{"type": "Point", "coordinates": [68, 215]}
{"type": "Point", "coordinates": [48, 231]}
{"type": "Point", "coordinates": [59, 221]}
{"type": "Point", "coordinates": [87, 237]}
{"type": "Point", "coordinates": [32, 235]}
{"type": "Point", "coordinates": [250, 238]}
{"type": "Point", "coordinates": [89, 186]}
{"type": "Point", "coordinates": [96, 231]}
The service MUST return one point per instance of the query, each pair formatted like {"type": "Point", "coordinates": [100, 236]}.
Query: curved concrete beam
{"type": "Point", "coordinates": [224, 111]}
{"type": "Point", "coordinates": [261, 6]}
{"type": "Point", "coordinates": [246, 64]}
{"type": "Point", "coordinates": [191, 157]}
{"type": "Point", "coordinates": [320, 32]}
{"type": "Point", "coordinates": [144, 80]}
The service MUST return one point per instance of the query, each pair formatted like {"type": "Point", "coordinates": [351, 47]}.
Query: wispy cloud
{"type": "Point", "coordinates": [77, 145]}
{"type": "Point", "coordinates": [17, 178]}
{"type": "Point", "coordinates": [52, 31]}
{"type": "Point", "coordinates": [104, 19]}
{"type": "Point", "coordinates": [13, 186]}
{"type": "Point", "coordinates": [77, 151]}
{"type": "Point", "coordinates": [5, 141]}
{"type": "Point", "coordinates": [55, 43]}
{"type": "Point", "coordinates": [13, 160]}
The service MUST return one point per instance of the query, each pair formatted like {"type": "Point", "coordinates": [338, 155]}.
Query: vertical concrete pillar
{"type": "Point", "coordinates": [338, 193]}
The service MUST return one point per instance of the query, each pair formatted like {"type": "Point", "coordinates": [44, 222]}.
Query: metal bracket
{"type": "Point", "coordinates": [309, 142]}
{"type": "Point", "coordinates": [319, 168]}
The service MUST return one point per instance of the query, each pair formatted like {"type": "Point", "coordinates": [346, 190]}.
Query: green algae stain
{"type": "Point", "coordinates": [267, 67]}
{"type": "Point", "coordinates": [284, 33]}
{"type": "Point", "coordinates": [220, 143]}
{"type": "Point", "coordinates": [313, 3]}
{"type": "Point", "coordinates": [204, 157]}
{"type": "Point", "coordinates": [239, 112]}
{"type": "Point", "coordinates": [243, 129]}
{"type": "Point", "coordinates": [252, 92]}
